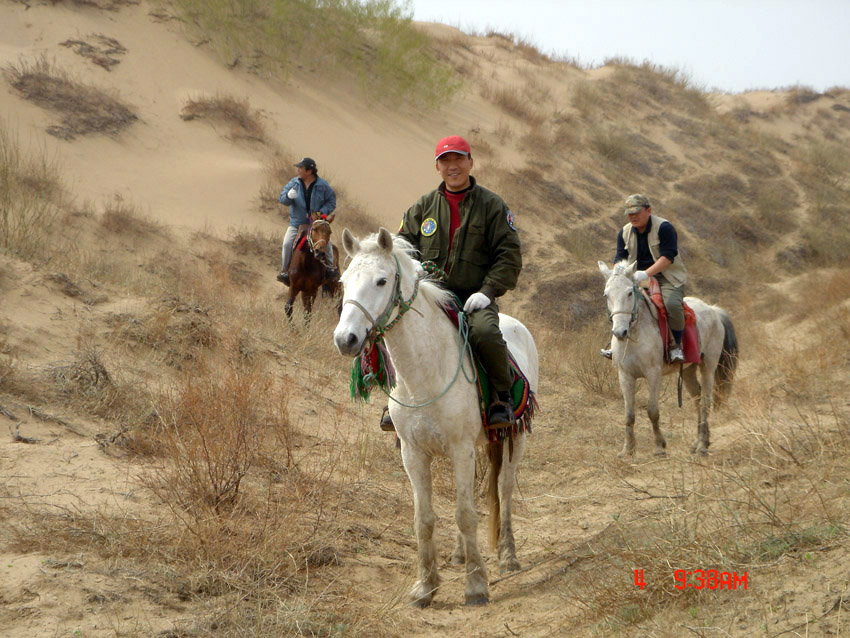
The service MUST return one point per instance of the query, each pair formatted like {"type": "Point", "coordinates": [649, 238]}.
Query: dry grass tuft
{"type": "Point", "coordinates": [244, 122]}
{"type": "Point", "coordinates": [31, 199]}
{"type": "Point", "coordinates": [84, 109]}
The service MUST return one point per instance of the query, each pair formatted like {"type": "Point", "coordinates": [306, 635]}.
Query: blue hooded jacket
{"type": "Point", "coordinates": [322, 199]}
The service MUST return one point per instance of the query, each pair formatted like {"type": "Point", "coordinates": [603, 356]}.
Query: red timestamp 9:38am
{"type": "Point", "coordinates": [709, 579]}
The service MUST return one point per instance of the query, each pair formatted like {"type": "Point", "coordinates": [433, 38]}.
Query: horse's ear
{"type": "Point", "coordinates": [603, 267]}
{"type": "Point", "coordinates": [631, 269]}
{"type": "Point", "coordinates": [385, 240]}
{"type": "Point", "coordinates": [350, 243]}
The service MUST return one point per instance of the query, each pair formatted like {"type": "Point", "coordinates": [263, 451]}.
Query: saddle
{"type": "Point", "coordinates": [522, 397]}
{"type": "Point", "coordinates": [690, 337]}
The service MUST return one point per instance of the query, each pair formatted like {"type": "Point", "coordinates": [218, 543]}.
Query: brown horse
{"type": "Point", "coordinates": [307, 270]}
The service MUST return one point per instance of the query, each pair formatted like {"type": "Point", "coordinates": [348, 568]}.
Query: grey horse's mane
{"type": "Point", "coordinates": [403, 250]}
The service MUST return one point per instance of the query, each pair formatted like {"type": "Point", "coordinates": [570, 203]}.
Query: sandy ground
{"type": "Point", "coordinates": [187, 175]}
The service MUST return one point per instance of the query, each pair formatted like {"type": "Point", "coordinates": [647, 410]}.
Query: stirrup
{"type": "Point", "coordinates": [387, 424]}
{"type": "Point", "coordinates": [676, 355]}
{"type": "Point", "coordinates": [607, 353]}
{"type": "Point", "coordinates": [500, 414]}
{"type": "Point", "coordinates": [283, 277]}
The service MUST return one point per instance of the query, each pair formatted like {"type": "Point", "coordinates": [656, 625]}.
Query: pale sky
{"type": "Point", "coordinates": [731, 45]}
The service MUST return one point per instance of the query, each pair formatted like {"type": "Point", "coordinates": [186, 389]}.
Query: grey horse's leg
{"type": "Point", "coordinates": [467, 524]}
{"type": "Point", "coordinates": [459, 554]}
{"type": "Point", "coordinates": [692, 385]}
{"type": "Point", "coordinates": [654, 383]}
{"type": "Point", "coordinates": [627, 385]}
{"type": "Point", "coordinates": [507, 480]}
{"type": "Point", "coordinates": [418, 468]}
{"type": "Point", "coordinates": [704, 407]}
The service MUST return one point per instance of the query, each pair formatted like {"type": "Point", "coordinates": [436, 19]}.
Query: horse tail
{"type": "Point", "coordinates": [495, 451]}
{"type": "Point", "coordinates": [725, 371]}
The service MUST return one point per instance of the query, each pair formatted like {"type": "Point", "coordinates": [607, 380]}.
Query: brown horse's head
{"type": "Point", "coordinates": [320, 235]}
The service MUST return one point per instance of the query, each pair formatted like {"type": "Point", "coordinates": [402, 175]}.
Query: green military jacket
{"type": "Point", "coordinates": [485, 252]}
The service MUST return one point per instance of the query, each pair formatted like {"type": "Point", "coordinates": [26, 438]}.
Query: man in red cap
{"type": "Point", "coordinates": [469, 232]}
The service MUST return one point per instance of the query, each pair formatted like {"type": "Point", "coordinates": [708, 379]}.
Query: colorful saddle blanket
{"type": "Point", "coordinates": [690, 338]}
{"type": "Point", "coordinates": [522, 396]}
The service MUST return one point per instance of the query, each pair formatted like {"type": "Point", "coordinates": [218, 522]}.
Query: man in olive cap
{"type": "Point", "coordinates": [304, 194]}
{"type": "Point", "coordinates": [652, 242]}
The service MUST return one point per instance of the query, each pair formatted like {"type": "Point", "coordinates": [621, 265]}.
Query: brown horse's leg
{"type": "Point", "coordinates": [288, 307]}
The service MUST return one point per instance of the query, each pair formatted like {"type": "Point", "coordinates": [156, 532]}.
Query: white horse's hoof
{"type": "Point", "coordinates": [626, 452]}
{"type": "Point", "coordinates": [661, 453]}
{"type": "Point", "coordinates": [509, 565]}
{"type": "Point", "coordinates": [476, 600]}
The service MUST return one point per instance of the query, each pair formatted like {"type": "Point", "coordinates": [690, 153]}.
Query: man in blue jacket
{"type": "Point", "coordinates": [305, 194]}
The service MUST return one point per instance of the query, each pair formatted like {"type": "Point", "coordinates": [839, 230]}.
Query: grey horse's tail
{"type": "Point", "coordinates": [495, 449]}
{"type": "Point", "coordinates": [725, 371]}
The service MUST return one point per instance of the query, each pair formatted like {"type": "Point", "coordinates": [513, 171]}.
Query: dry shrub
{"type": "Point", "coordinates": [513, 101]}
{"type": "Point", "coordinates": [211, 424]}
{"type": "Point", "coordinates": [257, 243]}
{"type": "Point", "coordinates": [83, 108]}
{"type": "Point", "coordinates": [277, 172]}
{"type": "Point", "coordinates": [123, 218]}
{"type": "Point", "coordinates": [776, 201]}
{"type": "Point", "coordinates": [588, 99]}
{"type": "Point", "coordinates": [243, 121]}
{"type": "Point", "coordinates": [798, 95]}
{"type": "Point", "coordinates": [31, 198]}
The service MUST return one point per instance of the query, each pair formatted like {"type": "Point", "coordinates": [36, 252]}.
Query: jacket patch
{"type": "Point", "coordinates": [429, 227]}
{"type": "Point", "coordinates": [511, 220]}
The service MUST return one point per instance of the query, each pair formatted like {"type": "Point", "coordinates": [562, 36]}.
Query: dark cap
{"type": "Point", "coordinates": [308, 162]}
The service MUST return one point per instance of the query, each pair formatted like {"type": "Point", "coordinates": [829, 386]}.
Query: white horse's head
{"type": "Point", "coordinates": [621, 295]}
{"type": "Point", "coordinates": [380, 270]}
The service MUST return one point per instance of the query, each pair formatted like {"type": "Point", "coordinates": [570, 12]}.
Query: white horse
{"type": "Point", "coordinates": [639, 352]}
{"type": "Point", "coordinates": [435, 409]}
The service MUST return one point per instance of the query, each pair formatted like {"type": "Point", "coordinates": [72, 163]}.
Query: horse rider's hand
{"type": "Point", "coordinates": [640, 276]}
{"type": "Point", "coordinates": [292, 194]}
{"type": "Point", "coordinates": [476, 301]}
{"type": "Point", "coordinates": [329, 217]}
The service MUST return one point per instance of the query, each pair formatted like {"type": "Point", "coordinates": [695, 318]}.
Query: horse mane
{"type": "Point", "coordinates": [403, 250]}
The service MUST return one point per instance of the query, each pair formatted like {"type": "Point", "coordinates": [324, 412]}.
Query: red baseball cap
{"type": "Point", "coordinates": [452, 144]}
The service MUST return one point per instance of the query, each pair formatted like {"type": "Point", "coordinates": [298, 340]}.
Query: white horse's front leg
{"type": "Point", "coordinates": [418, 467]}
{"type": "Point", "coordinates": [627, 386]}
{"type": "Point", "coordinates": [467, 523]}
{"type": "Point", "coordinates": [507, 480]}
{"type": "Point", "coordinates": [654, 382]}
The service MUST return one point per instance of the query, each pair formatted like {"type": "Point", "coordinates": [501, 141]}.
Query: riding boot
{"type": "Point", "coordinates": [283, 277]}
{"type": "Point", "coordinates": [387, 424]}
{"type": "Point", "coordinates": [501, 410]}
{"type": "Point", "coordinates": [607, 352]}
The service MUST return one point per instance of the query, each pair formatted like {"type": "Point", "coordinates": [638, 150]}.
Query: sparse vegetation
{"type": "Point", "coordinates": [372, 41]}
{"type": "Point", "coordinates": [84, 109]}
{"type": "Point", "coordinates": [200, 470]}
{"type": "Point", "coordinates": [31, 198]}
{"type": "Point", "coordinates": [243, 121]}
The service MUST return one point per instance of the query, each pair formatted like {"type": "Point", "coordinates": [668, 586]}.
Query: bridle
{"type": "Point", "coordinates": [380, 326]}
{"type": "Point", "coordinates": [634, 311]}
